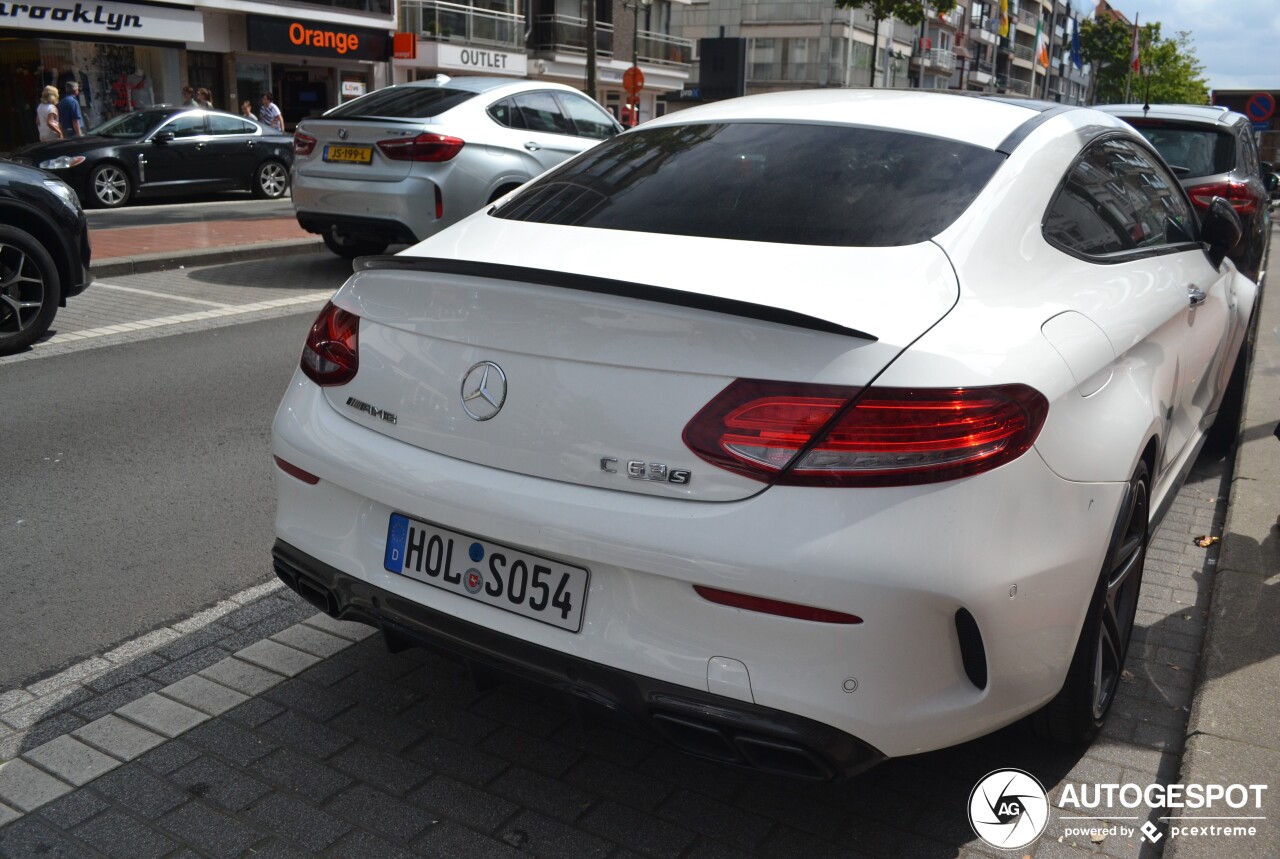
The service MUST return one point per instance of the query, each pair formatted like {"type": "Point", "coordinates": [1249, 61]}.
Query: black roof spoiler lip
{"type": "Point", "coordinates": [608, 286]}
{"type": "Point", "coordinates": [1021, 133]}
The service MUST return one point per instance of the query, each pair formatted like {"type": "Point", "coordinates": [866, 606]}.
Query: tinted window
{"type": "Point", "coordinates": [588, 117]}
{"type": "Point", "coordinates": [220, 124]}
{"type": "Point", "coordinates": [1191, 150]}
{"type": "Point", "coordinates": [403, 102]}
{"type": "Point", "coordinates": [505, 113]}
{"type": "Point", "coordinates": [541, 112]}
{"type": "Point", "coordinates": [129, 125]}
{"type": "Point", "coordinates": [765, 182]}
{"type": "Point", "coordinates": [187, 125]}
{"type": "Point", "coordinates": [1118, 198]}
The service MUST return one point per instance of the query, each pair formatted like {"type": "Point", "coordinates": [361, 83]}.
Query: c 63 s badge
{"type": "Point", "coordinates": [637, 469]}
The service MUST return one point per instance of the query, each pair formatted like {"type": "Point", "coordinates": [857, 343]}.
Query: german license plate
{"type": "Point", "coordinates": [349, 154]}
{"type": "Point", "coordinates": [491, 573]}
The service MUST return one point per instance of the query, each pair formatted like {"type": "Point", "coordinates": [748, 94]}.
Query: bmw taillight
{"type": "Point", "coordinates": [303, 143]}
{"type": "Point", "coordinates": [332, 353]}
{"type": "Point", "coordinates": [1241, 197]}
{"type": "Point", "coordinates": [827, 435]}
{"type": "Point", "coordinates": [424, 147]}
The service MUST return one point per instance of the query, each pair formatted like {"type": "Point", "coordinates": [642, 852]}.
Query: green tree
{"type": "Point", "coordinates": [1169, 70]}
{"type": "Point", "coordinates": [911, 12]}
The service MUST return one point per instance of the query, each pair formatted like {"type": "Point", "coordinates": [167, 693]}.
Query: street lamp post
{"type": "Point", "coordinates": [635, 6]}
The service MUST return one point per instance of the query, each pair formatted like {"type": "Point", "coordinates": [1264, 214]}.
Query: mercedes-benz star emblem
{"type": "Point", "coordinates": [484, 390]}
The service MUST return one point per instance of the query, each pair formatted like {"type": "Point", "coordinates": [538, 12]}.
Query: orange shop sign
{"type": "Point", "coordinates": [294, 36]}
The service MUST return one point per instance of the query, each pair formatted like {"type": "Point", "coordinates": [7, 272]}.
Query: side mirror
{"type": "Point", "coordinates": [1220, 229]}
{"type": "Point", "coordinates": [164, 137]}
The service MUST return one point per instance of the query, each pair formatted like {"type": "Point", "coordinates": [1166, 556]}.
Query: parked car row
{"type": "Point", "coordinates": [856, 456]}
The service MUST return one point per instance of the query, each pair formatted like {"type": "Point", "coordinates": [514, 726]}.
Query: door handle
{"type": "Point", "coordinates": [532, 147]}
{"type": "Point", "coordinates": [1196, 295]}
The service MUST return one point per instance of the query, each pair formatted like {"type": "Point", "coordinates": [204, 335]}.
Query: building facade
{"type": "Point", "coordinates": [132, 55]}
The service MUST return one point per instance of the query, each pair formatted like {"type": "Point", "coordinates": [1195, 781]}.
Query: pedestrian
{"type": "Point", "coordinates": [69, 114]}
{"type": "Point", "coordinates": [204, 98]}
{"type": "Point", "coordinates": [270, 113]}
{"type": "Point", "coordinates": [189, 97]}
{"type": "Point", "coordinates": [47, 115]}
{"type": "Point", "coordinates": [246, 109]}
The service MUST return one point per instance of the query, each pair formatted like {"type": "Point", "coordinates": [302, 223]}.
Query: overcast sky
{"type": "Point", "coordinates": [1237, 41]}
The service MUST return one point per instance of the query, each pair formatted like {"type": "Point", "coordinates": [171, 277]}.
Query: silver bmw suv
{"type": "Point", "coordinates": [1213, 152]}
{"type": "Point", "coordinates": [404, 162]}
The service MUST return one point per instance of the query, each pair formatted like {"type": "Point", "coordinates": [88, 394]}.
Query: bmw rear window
{"type": "Point", "coordinates": [766, 182]}
{"type": "Point", "coordinates": [402, 102]}
{"type": "Point", "coordinates": [1191, 150]}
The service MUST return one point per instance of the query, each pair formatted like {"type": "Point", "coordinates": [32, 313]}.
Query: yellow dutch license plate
{"type": "Point", "coordinates": [349, 154]}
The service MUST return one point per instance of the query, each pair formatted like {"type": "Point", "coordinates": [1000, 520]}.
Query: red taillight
{"type": "Point", "coordinates": [1240, 196]}
{"type": "Point", "coordinates": [293, 471]}
{"type": "Point", "coordinates": [303, 143]}
{"type": "Point", "coordinates": [768, 606]}
{"type": "Point", "coordinates": [424, 147]}
{"type": "Point", "coordinates": [332, 353]}
{"type": "Point", "coordinates": [808, 435]}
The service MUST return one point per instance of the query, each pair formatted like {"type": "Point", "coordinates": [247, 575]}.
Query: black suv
{"type": "Point", "coordinates": [1213, 152]}
{"type": "Point", "coordinates": [44, 252]}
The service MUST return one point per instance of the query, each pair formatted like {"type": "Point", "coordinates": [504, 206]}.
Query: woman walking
{"type": "Point", "coordinates": [47, 115]}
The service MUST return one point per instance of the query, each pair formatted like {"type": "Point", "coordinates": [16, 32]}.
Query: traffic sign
{"type": "Point", "coordinates": [1261, 106]}
{"type": "Point", "coordinates": [633, 80]}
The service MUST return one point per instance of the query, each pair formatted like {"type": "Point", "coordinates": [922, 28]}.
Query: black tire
{"type": "Point", "coordinates": [349, 248]}
{"type": "Point", "coordinates": [270, 180]}
{"type": "Point", "coordinates": [29, 289]}
{"type": "Point", "coordinates": [1076, 714]}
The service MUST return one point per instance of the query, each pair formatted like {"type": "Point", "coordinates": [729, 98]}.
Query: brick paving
{"type": "Point", "coordinates": [258, 728]}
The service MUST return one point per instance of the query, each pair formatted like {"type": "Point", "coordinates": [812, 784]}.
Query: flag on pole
{"type": "Point", "coordinates": [1042, 45]}
{"type": "Point", "coordinates": [1135, 62]}
{"type": "Point", "coordinates": [1004, 19]}
{"type": "Point", "coordinates": [1077, 56]}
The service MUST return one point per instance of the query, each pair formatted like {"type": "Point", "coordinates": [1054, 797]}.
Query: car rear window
{"type": "Point", "coordinates": [766, 182]}
{"type": "Point", "coordinates": [1191, 150]}
{"type": "Point", "coordinates": [403, 102]}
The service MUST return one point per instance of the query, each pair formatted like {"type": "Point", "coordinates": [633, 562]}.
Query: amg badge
{"type": "Point", "coordinates": [360, 405]}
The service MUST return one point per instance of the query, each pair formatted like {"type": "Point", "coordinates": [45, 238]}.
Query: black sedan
{"type": "Point", "coordinates": [167, 151]}
{"type": "Point", "coordinates": [44, 253]}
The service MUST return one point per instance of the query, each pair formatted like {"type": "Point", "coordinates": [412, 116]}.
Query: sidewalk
{"type": "Point", "coordinates": [134, 250]}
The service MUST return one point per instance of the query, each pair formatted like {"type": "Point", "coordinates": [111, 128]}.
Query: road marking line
{"type": "Point", "coordinates": [223, 310]}
{"type": "Point", "coordinates": [137, 291]}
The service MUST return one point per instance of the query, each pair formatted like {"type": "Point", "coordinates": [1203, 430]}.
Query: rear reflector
{"type": "Point", "coordinates": [293, 471]}
{"type": "Point", "coordinates": [331, 355]}
{"type": "Point", "coordinates": [1240, 196]}
{"type": "Point", "coordinates": [424, 147]}
{"type": "Point", "coordinates": [811, 435]}
{"type": "Point", "coordinates": [768, 606]}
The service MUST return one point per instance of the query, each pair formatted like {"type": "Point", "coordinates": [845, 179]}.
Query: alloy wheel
{"type": "Point", "coordinates": [273, 179]}
{"type": "Point", "coordinates": [1120, 598]}
{"type": "Point", "coordinates": [110, 186]}
{"type": "Point", "coordinates": [22, 290]}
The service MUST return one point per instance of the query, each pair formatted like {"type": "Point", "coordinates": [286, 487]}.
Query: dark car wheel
{"type": "Point", "coordinates": [1078, 711]}
{"type": "Point", "coordinates": [29, 289]}
{"type": "Point", "coordinates": [271, 180]}
{"type": "Point", "coordinates": [109, 186]}
{"type": "Point", "coordinates": [350, 248]}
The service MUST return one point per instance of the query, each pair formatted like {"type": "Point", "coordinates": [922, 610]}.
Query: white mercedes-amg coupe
{"type": "Point", "coordinates": [806, 429]}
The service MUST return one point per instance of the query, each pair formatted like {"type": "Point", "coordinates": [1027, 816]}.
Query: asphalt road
{"type": "Point", "coordinates": [135, 486]}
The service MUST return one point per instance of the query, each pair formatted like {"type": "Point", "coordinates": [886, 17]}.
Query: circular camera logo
{"type": "Point", "coordinates": [1008, 809]}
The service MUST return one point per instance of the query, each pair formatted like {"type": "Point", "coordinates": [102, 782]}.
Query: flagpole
{"type": "Point", "coordinates": [1133, 55]}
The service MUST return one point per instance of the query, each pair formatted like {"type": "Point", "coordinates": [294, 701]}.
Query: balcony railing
{"type": "Point", "coordinates": [563, 33]}
{"type": "Point", "coordinates": [1028, 18]}
{"type": "Point", "coordinates": [936, 58]}
{"type": "Point", "coordinates": [954, 18]}
{"type": "Point", "coordinates": [1023, 52]}
{"type": "Point", "coordinates": [1015, 85]}
{"type": "Point", "coordinates": [976, 76]}
{"type": "Point", "coordinates": [434, 19]}
{"type": "Point", "coordinates": [662, 50]}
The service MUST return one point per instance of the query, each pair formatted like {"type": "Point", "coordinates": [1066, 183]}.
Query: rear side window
{"type": "Point", "coordinates": [187, 125]}
{"type": "Point", "coordinates": [219, 124]}
{"type": "Point", "coordinates": [403, 102]}
{"type": "Point", "coordinates": [1117, 199]}
{"type": "Point", "coordinates": [766, 182]}
{"type": "Point", "coordinates": [1191, 150]}
{"type": "Point", "coordinates": [541, 112]}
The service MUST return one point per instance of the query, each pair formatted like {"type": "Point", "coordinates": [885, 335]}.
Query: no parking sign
{"type": "Point", "coordinates": [1260, 107]}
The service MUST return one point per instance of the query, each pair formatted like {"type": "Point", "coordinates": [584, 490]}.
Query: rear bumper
{"type": "Point", "coordinates": [374, 229]}
{"type": "Point", "coordinates": [700, 723]}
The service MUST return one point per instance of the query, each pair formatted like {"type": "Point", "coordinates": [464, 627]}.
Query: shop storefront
{"type": "Point", "coordinates": [430, 58]}
{"type": "Point", "coordinates": [123, 55]}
